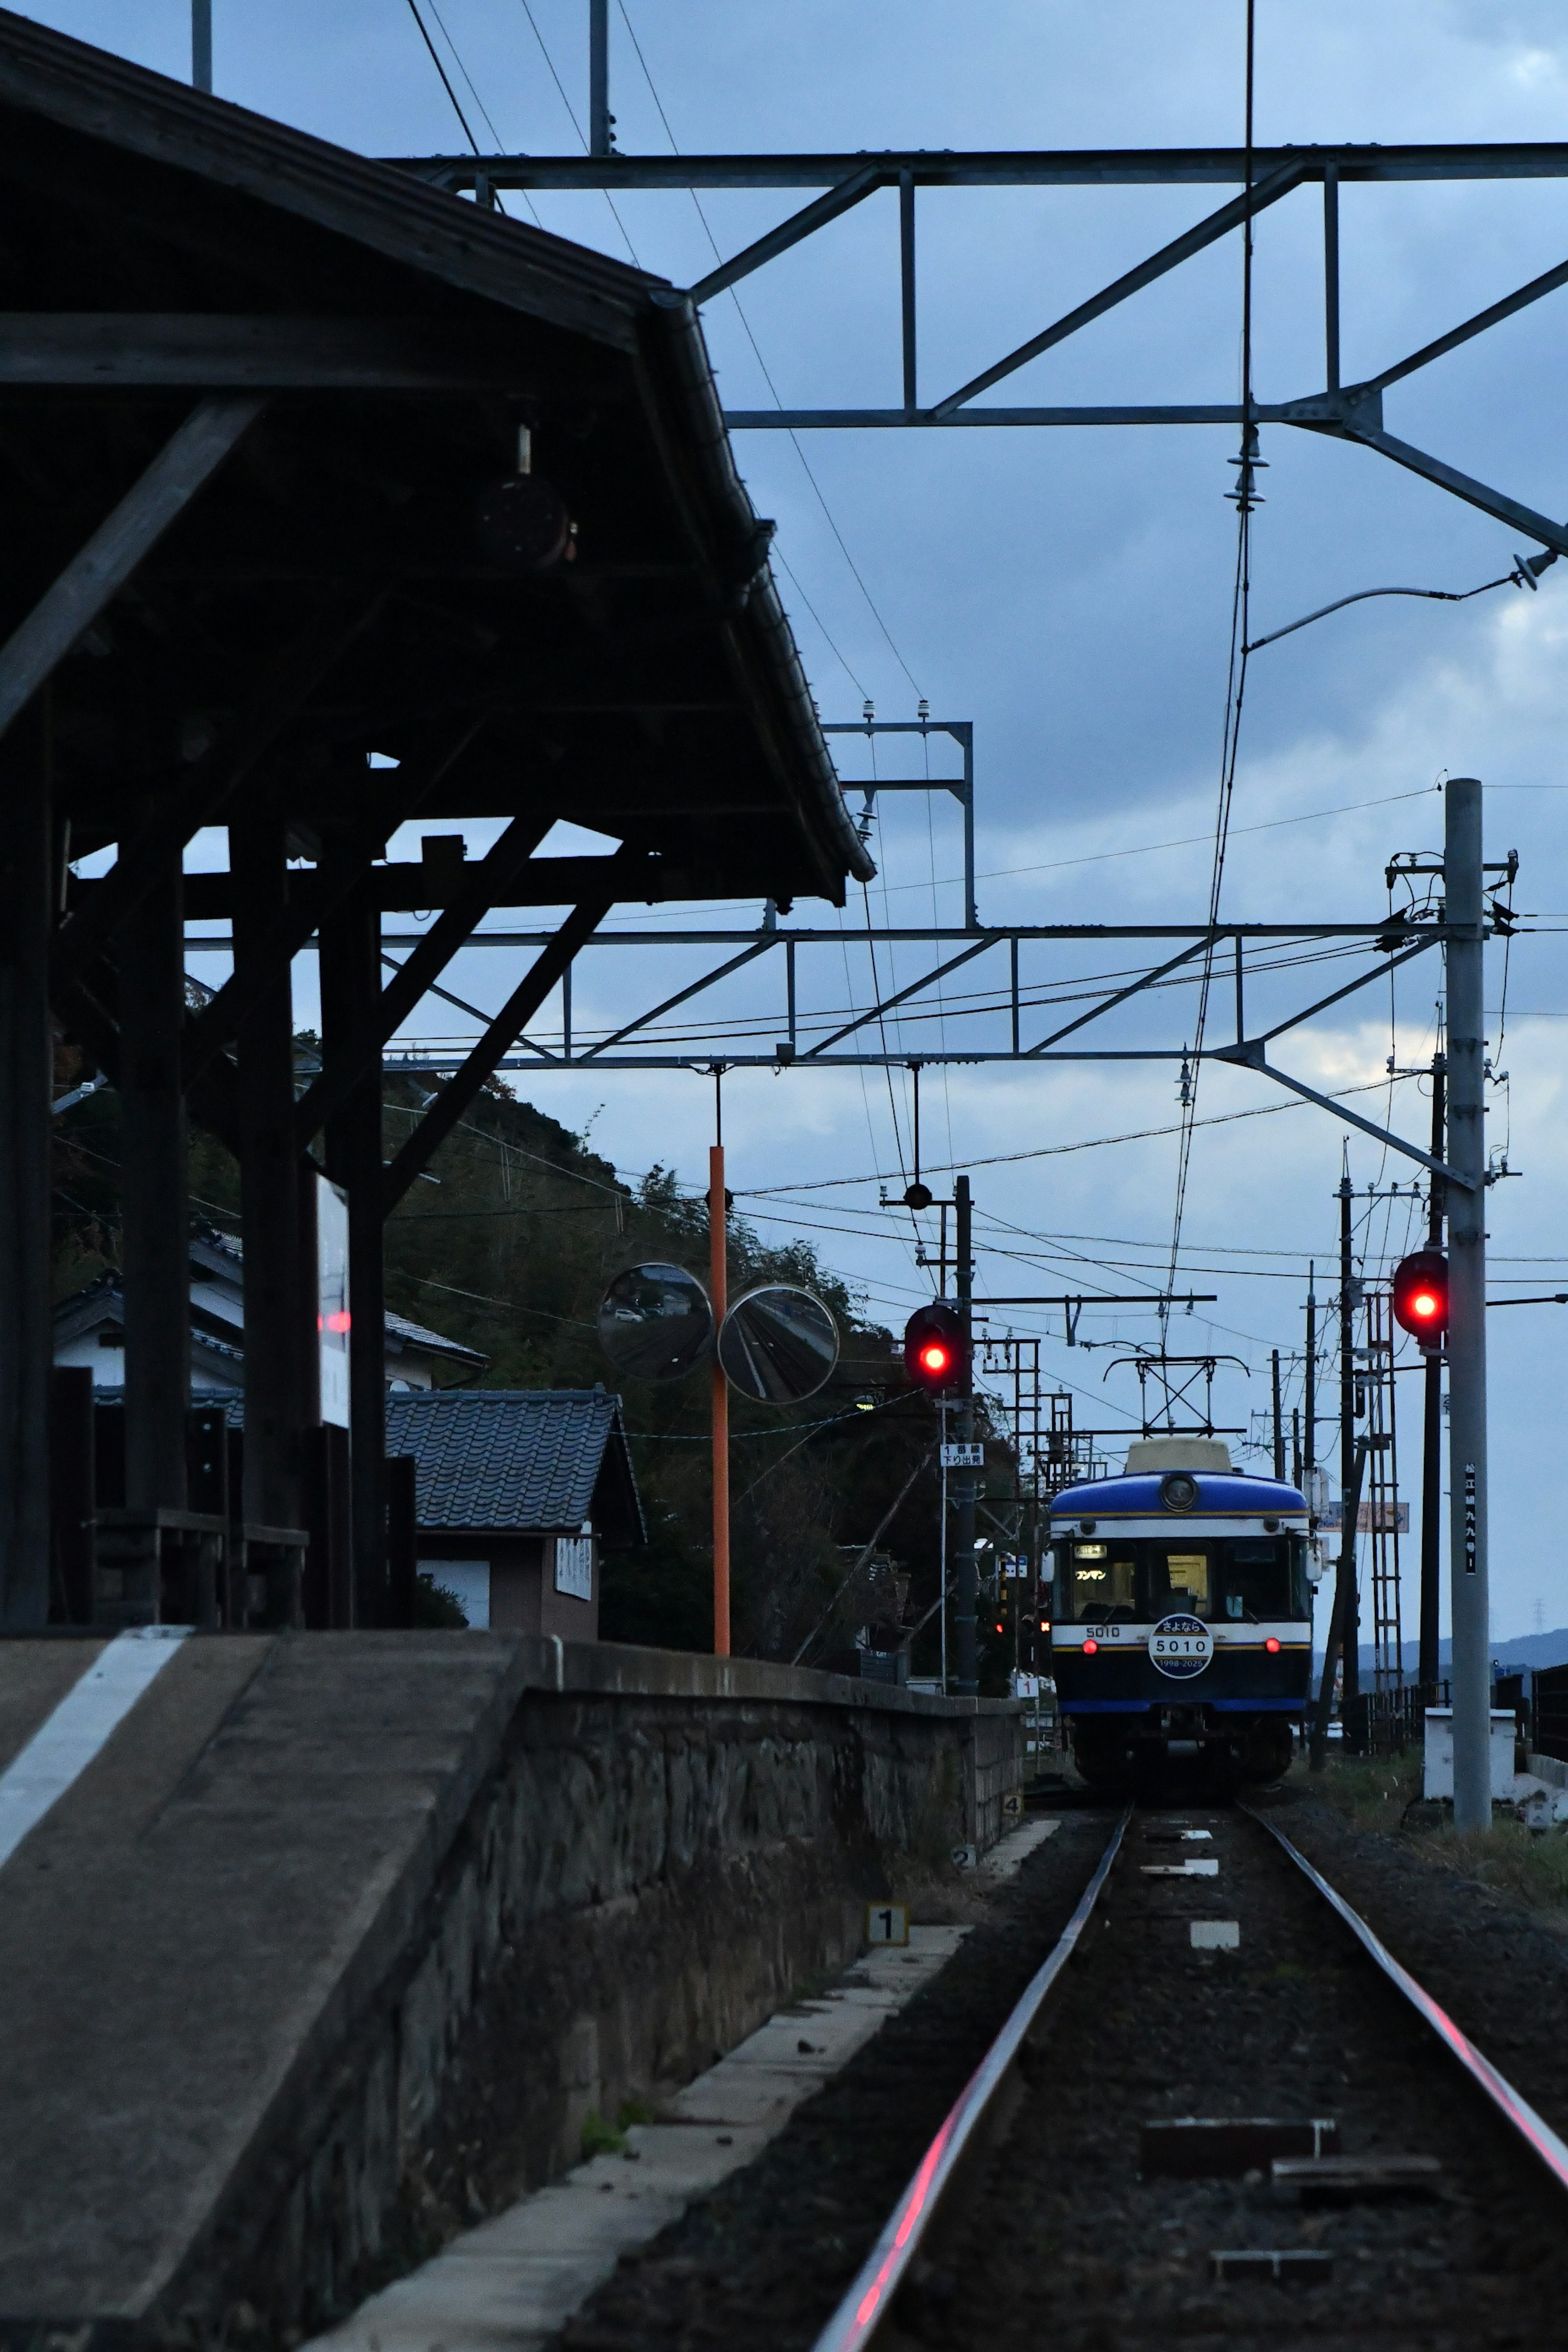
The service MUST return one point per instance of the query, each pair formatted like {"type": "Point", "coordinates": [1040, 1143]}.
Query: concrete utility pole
{"type": "Point", "coordinates": [966, 1683]}
{"type": "Point", "coordinates": [1345, 1596]}
{"type": "Point", "coordinates": [1278, 1423]}
{"type": "Point", "coordinates": [1467, 1156]}
{"type": "Point", "coordinates": [601, 122]}
{"type": "Point", "coordinates": [1432, 1428]}
{"type": "Point", "coordinates": [202, 44]}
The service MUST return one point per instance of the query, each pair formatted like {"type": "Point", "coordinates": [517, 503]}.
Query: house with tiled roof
{"type": "Point", "coordinates": [90, 1330]}
{"type": "Point", "coordinates": [518, 1493]}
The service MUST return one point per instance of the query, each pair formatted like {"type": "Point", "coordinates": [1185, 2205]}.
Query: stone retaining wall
{"type": "Point", "coordinates": [663, 1848]}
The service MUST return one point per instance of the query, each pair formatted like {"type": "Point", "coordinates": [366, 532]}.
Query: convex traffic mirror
{"type": "Point", "coordinates": [655, 1323]}
{"type": "Point", "coordinates": [778, 1344]}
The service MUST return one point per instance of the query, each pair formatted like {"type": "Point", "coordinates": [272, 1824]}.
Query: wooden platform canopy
{"type": "Point", "coordinates": [333, 501]}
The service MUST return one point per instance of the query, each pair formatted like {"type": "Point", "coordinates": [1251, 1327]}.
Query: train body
{"type": "Point", "coordinates": [1182, 1615]}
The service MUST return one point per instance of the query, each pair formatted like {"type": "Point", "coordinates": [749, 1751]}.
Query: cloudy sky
{"type": "Point", "coordinates": [1069, 592]}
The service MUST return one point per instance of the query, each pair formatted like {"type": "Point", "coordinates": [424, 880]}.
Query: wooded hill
{"type": "Point", "coordinates": [509, 1249]}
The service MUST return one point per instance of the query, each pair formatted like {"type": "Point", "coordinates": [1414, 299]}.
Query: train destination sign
{"type": "Point", "coordinates": [1181, 1646]}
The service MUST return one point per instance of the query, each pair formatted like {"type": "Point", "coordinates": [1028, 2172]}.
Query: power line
{"type": "Point", "coordinates": [767, 378]}
{"type": "Point", "coordinates": [445, 84]}
{"type": "Point", "coordinates": [1056, 1151]}
{"type": "Point", "coordinates": [577, 127]}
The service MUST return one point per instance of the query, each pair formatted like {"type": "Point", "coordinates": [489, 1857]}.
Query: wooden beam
{"type": "Point", "coordinates": [92, 578]}
{"type": "Point", "coordinates": [406, 788]}
{"type": "Point", "coordinates": [277, 1317]}
{"type": "Point", "coordinates": [461, 1089]}
{"type": "Point", "coordinates": [410, 886]}
{"type": "Point", "coordinates": [202, 794]}
{"type": "Point", "coordinates": [155, 1215]}
{"type": "Point", "coordinates": [143, 349]}
{"type": "Point", "coordinates": [25, 1059]}
{"type": "Point", "coordinates": [347, 1064]}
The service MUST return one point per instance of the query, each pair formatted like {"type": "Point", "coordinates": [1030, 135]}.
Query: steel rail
{"type": "Point", "coordinates": [868, 2304]}
{"type": "Point", "coordinates": [1533, 2128]}
{"type": "Point", "coordinates": [870, 2299]}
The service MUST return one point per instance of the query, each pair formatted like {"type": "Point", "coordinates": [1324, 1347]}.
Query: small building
{"type": "Point", "coordinates": [90, 1330]}
{"type": "Point", "coordinates": [520, 1491]}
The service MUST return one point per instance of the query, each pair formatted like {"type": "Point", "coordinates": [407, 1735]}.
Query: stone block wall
{"type": "Point", "coordinates": [663, 1848]}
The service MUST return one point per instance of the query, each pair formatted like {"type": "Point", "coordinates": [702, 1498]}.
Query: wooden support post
{"type": "Point", "coordinates": [718, 1274]}
{"type": "Point", "coordinates": [26, 1087]}
{"type": "Point", "coordinates": [351, 992]}
{"type": "Point", "coordinates": [157, 1217]}
{"type": "Point", "coordinates": [73, 1490]}
{"type": "Point", "coordinates": [268, 1189]}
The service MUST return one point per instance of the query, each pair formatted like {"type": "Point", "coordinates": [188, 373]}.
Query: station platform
{"type": "Point", "coordinates": [276, 1925]}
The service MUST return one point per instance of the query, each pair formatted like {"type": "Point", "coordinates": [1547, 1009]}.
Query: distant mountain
{"type": "Point", "coordinates": [1523, 1650]}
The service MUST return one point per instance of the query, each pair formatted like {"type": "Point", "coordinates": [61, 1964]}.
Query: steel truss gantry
{"type": "Point", "coordinates": [1265, 177]}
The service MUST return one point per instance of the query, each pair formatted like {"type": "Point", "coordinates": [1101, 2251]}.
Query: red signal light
{"type": "Point", "coordinates": [1090, 1649]}
{"type": "Point", "coordinates": [936, 1350]}
{"type": "Point", "coordinates": [1272, 1646]}
{"type": "Point", "coordinates": [1420, 1289]}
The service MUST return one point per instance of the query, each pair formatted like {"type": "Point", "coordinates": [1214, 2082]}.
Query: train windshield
{"type": "Point", "coordinates": [1234, 1579]}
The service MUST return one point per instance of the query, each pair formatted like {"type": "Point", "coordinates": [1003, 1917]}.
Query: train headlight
{"type": "Point", "coordinates": [1272, 1646]}
{"type": "Point", "coordinates": [1089, 1648]}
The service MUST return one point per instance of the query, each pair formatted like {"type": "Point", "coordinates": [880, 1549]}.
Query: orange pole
{"type": "Point", "coordinates": [715, 1280]}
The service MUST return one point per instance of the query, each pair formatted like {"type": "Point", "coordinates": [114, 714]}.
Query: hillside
{"type": "Point", "coordinates": [509, 1249]}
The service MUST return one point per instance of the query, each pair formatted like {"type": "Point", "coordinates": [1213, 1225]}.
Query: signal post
{"type": "Point", "coordinates": [1466, 1347]}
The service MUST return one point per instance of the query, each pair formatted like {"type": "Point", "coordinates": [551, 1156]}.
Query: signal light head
{"type": "Point", "coordinates": [1421, 1294]}
{"type": "Point", "coordinates": [936, 1350]}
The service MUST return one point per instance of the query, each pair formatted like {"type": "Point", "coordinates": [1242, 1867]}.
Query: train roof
{"type": "Point", "coordinates": [1221, 1495]}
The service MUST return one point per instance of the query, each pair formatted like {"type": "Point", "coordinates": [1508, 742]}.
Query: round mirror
{"type": "Point", "coordinates": [655, 1323]}
{"type": "Point", "coordinates": [778, 1344]}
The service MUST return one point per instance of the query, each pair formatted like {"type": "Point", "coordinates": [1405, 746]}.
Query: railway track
{"type": "Point", "coordinates": [1222, 2113]}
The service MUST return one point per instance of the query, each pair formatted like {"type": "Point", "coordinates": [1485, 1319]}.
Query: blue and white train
{"type": "Point", "coordinates": [1182, 1615]}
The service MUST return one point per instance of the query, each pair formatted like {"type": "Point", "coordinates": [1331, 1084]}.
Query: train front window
{"type": "Point", "coordinates": [1099, 1587]}
{"type": "Point", "coordinates": [1179, 1579]}
{"type": "Point", "coordinates": [1258, 1581]}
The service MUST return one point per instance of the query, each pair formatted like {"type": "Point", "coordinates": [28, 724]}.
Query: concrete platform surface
{"type": "Point", "coordinates": [180, 1932]}
{"type": "Point", "coordinates": [509, 2285]}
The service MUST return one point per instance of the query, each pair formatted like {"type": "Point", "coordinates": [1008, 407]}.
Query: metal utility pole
{"type": "Point", "coordinates": [202, 44]}
{"type": "Point", "coordinates": [718, 1284]}
{"type": "Point", "coordinates": [1467, 1157]}
{"type": "Point", "coordinates": [1345, 1593]}
{"type": "Point", "coordinates": [1278, 1423]}
{"type": "Point", "coordinates": [966, 1682]}
{"type": "Point", "coordinates": [1309, 1397]}
{"type": "Point", "coordinates": [1432, 1426]}
{"type": "Point", "coordinates": [601, 122]}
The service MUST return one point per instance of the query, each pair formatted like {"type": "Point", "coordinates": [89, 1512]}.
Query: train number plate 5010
{"type": "Point", "coordinates": [1181, 1646]}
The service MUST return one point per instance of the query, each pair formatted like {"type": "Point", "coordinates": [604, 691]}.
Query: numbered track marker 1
{"type": "Point", "coordinates": [887, 1922]}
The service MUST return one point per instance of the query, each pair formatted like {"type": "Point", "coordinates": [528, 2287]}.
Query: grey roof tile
{"type": "Point", "coordinates": [533, 1459]}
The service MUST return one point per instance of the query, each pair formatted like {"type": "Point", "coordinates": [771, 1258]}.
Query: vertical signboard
{"type": "Point", "coordinates": [332, 1299]}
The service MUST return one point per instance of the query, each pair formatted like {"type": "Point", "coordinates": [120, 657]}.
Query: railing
{"type": "Point", "coordinates": [1385, 1723]}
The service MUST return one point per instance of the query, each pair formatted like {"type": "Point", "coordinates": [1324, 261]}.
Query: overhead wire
{"type": "Point", "coordinates": [445, 84]}
{"type": "Point", "coordinates": [571, 114]}
{"type": "Point", "coordinates": [767, 378]}
{"type": "Point", "coordinates": [1236, 676]}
